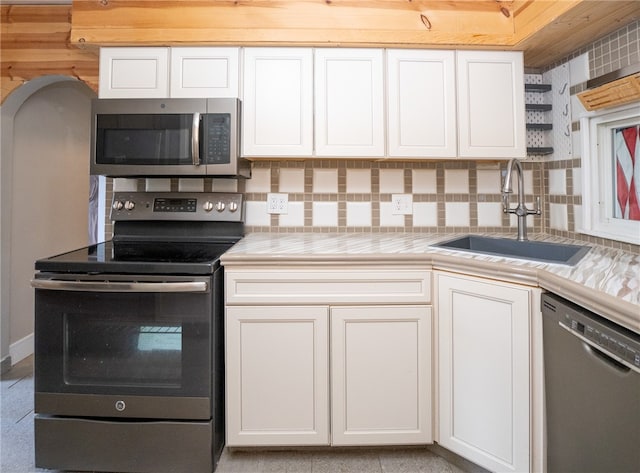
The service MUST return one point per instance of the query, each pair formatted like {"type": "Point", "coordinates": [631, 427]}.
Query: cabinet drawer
{"type": "Point", "coordinates": [369, 285]}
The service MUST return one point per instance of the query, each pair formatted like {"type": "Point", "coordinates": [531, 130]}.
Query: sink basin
{"type": "Point", "coordinates": [530, 250]}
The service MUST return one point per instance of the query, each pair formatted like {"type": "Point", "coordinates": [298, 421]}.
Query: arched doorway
{"type": "Point", "coordinates": [44, 193]}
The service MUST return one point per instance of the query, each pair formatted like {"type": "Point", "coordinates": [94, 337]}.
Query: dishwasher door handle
{"type": "Point", "coordinates": [611, 360]}
{"type": "Point", "coordinates": [112, 286]}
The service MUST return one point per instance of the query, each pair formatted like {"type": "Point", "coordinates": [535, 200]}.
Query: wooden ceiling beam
{"type": "Point", "coordinates": [328, 22]}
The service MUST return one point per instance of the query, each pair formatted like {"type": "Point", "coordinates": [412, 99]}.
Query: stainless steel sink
{"type": "Point", "coordinates": [531, 250]}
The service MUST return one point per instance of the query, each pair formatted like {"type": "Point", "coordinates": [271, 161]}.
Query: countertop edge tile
{"type": "Point", "coordinates": [612, 308]}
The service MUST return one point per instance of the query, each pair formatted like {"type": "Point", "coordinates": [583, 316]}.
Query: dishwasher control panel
{"type": "Point", "coordinates": [611, 342]}
{"type": "Point", "coordinates": [618, 342]}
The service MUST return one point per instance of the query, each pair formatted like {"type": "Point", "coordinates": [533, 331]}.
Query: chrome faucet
{"type": "Point", "coordinates": [521, 210]}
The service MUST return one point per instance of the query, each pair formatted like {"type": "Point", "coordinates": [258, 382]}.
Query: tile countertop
{"type": "Point", "coordinates": [606, 280]}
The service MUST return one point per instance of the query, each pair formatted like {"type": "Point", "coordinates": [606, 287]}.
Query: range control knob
{"type": "Point", "coordinates": [117, 205]}
{"type": "Point", "coordinates": [208, 206]}
{"type": "Point", "coordinates": [129, 205]}
{"type": "Point", "coordinates": [233, 206]}
{"type": "Point", "coordinates": [220, 206]}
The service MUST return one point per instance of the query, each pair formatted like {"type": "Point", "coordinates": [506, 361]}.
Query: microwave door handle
{"type": "Point", "coordinates": [195, 139]}
{"type": "Point", "coordinates": [111, 286]}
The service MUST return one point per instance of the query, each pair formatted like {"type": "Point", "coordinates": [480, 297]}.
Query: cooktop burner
{"type": "Point", "coordinates": [169, 252]}
{"type": "Point", "coordinates": [152, 258]}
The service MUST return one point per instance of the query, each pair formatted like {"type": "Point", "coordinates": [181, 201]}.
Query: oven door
{"type": "Point", "coordinates": [136, 347]}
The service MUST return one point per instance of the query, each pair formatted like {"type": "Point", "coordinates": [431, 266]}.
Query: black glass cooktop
{"type": "Point", "coordinates": [139, 257]}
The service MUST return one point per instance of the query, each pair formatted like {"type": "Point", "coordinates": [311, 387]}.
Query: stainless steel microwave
{"type": "Point", "coordinates": [167, 137]}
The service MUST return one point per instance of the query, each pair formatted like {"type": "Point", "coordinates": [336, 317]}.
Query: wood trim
{"type": "Point", "coordinates": [272, 22]}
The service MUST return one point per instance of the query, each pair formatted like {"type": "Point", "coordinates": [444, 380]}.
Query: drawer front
{"type": "Point", "coordinates": [369, 286]}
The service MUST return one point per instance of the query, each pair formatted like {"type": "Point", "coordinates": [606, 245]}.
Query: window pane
{"type": "Point", "coordinates": [627, 173]}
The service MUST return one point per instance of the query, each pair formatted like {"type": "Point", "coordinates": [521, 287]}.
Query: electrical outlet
{"type": "Point", "coordinates": [277, 203]}
{"type": "Point", "coordinates": [402, 204]}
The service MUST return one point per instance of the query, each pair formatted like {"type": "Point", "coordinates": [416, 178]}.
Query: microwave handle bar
{"type": "Point", "coordinates": [195, 139]}
{"type": "Point", "coordinates": [110, 286]}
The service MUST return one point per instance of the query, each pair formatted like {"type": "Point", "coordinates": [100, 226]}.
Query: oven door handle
{"type": "Point", "coordinates": [111, 286]}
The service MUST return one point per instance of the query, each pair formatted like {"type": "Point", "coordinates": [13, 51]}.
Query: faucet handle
{"type": "Point", "coordinates": [537, 210]}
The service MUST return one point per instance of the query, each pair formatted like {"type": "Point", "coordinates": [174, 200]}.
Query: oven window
{"type": "Point", "coordinates": [121, 353]}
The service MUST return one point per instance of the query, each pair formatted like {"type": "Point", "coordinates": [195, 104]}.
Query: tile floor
{"type": "Point", "coordinates": [16, 446]}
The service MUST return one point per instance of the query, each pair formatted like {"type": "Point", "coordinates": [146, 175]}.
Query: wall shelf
{"type": "Point", "coordinates": [541, 151]}
{"type": "Point", "coordinates": [537, 87]}
{"type": "Point", "coordinates": [538, 107]}
{"type": "Point", "coordinates": [538, 124]}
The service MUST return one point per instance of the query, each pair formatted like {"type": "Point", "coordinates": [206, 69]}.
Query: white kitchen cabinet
{"type": "Point", "coordinates": [277, 377]}
{"type": "Point", "coordinates": [278, 102]}
{"type": "Point", "coordinates": [381, 375]}
{"type": "Point", "coordinates": [134, 73]}
{"type": "Point", "coordinates": [484, 370]}
{"type": "Point", "coordinates": [491, 113]}
{"type": "Point", "coordinates": [421, 103]}
{"type": "Point", "coordinates": [377, 326]}
{"type": "Point", "coordinates": [204, 72]}
{"type": "Point", "coordinates": [349, 102]}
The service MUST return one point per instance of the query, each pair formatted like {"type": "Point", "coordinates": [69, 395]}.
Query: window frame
{"type": "Point", "coordinates": [598, 175]}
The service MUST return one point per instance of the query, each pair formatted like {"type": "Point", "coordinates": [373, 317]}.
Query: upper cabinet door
{"type": "Point", "coordinates": [134, 73]}
{"type": "Point", "coordinates": [278, 102]}
{"type": "Point", "coordinates": [204, 72]}
{"type": "Point", "coordinates": [349, 94]}
{"type": "Point", "coordinates": [421, 103]}
{"type": "Point", "coordinates": [491, 114]}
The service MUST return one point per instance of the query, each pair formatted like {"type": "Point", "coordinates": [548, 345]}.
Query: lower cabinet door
{"type": "Point", "coordinates": [381, 375]}
{"type": "Point", "coordinates": [484, 374]}
{"type": "Point", "coordinates": [277, 382]}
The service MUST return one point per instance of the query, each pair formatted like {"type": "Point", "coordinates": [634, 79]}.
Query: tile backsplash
{"type": "Point", "coordinates": [356, 196]}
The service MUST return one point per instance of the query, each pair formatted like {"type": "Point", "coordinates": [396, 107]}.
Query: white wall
{"type": "Point", "coordinates": [46, 197]}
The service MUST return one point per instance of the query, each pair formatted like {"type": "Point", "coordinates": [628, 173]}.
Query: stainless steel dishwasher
{"type": "Point", "coordinates": [592, 391]}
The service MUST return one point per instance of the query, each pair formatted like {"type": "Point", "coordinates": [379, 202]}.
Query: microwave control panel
{"type": "Point", "coordinates": [217, 138]}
